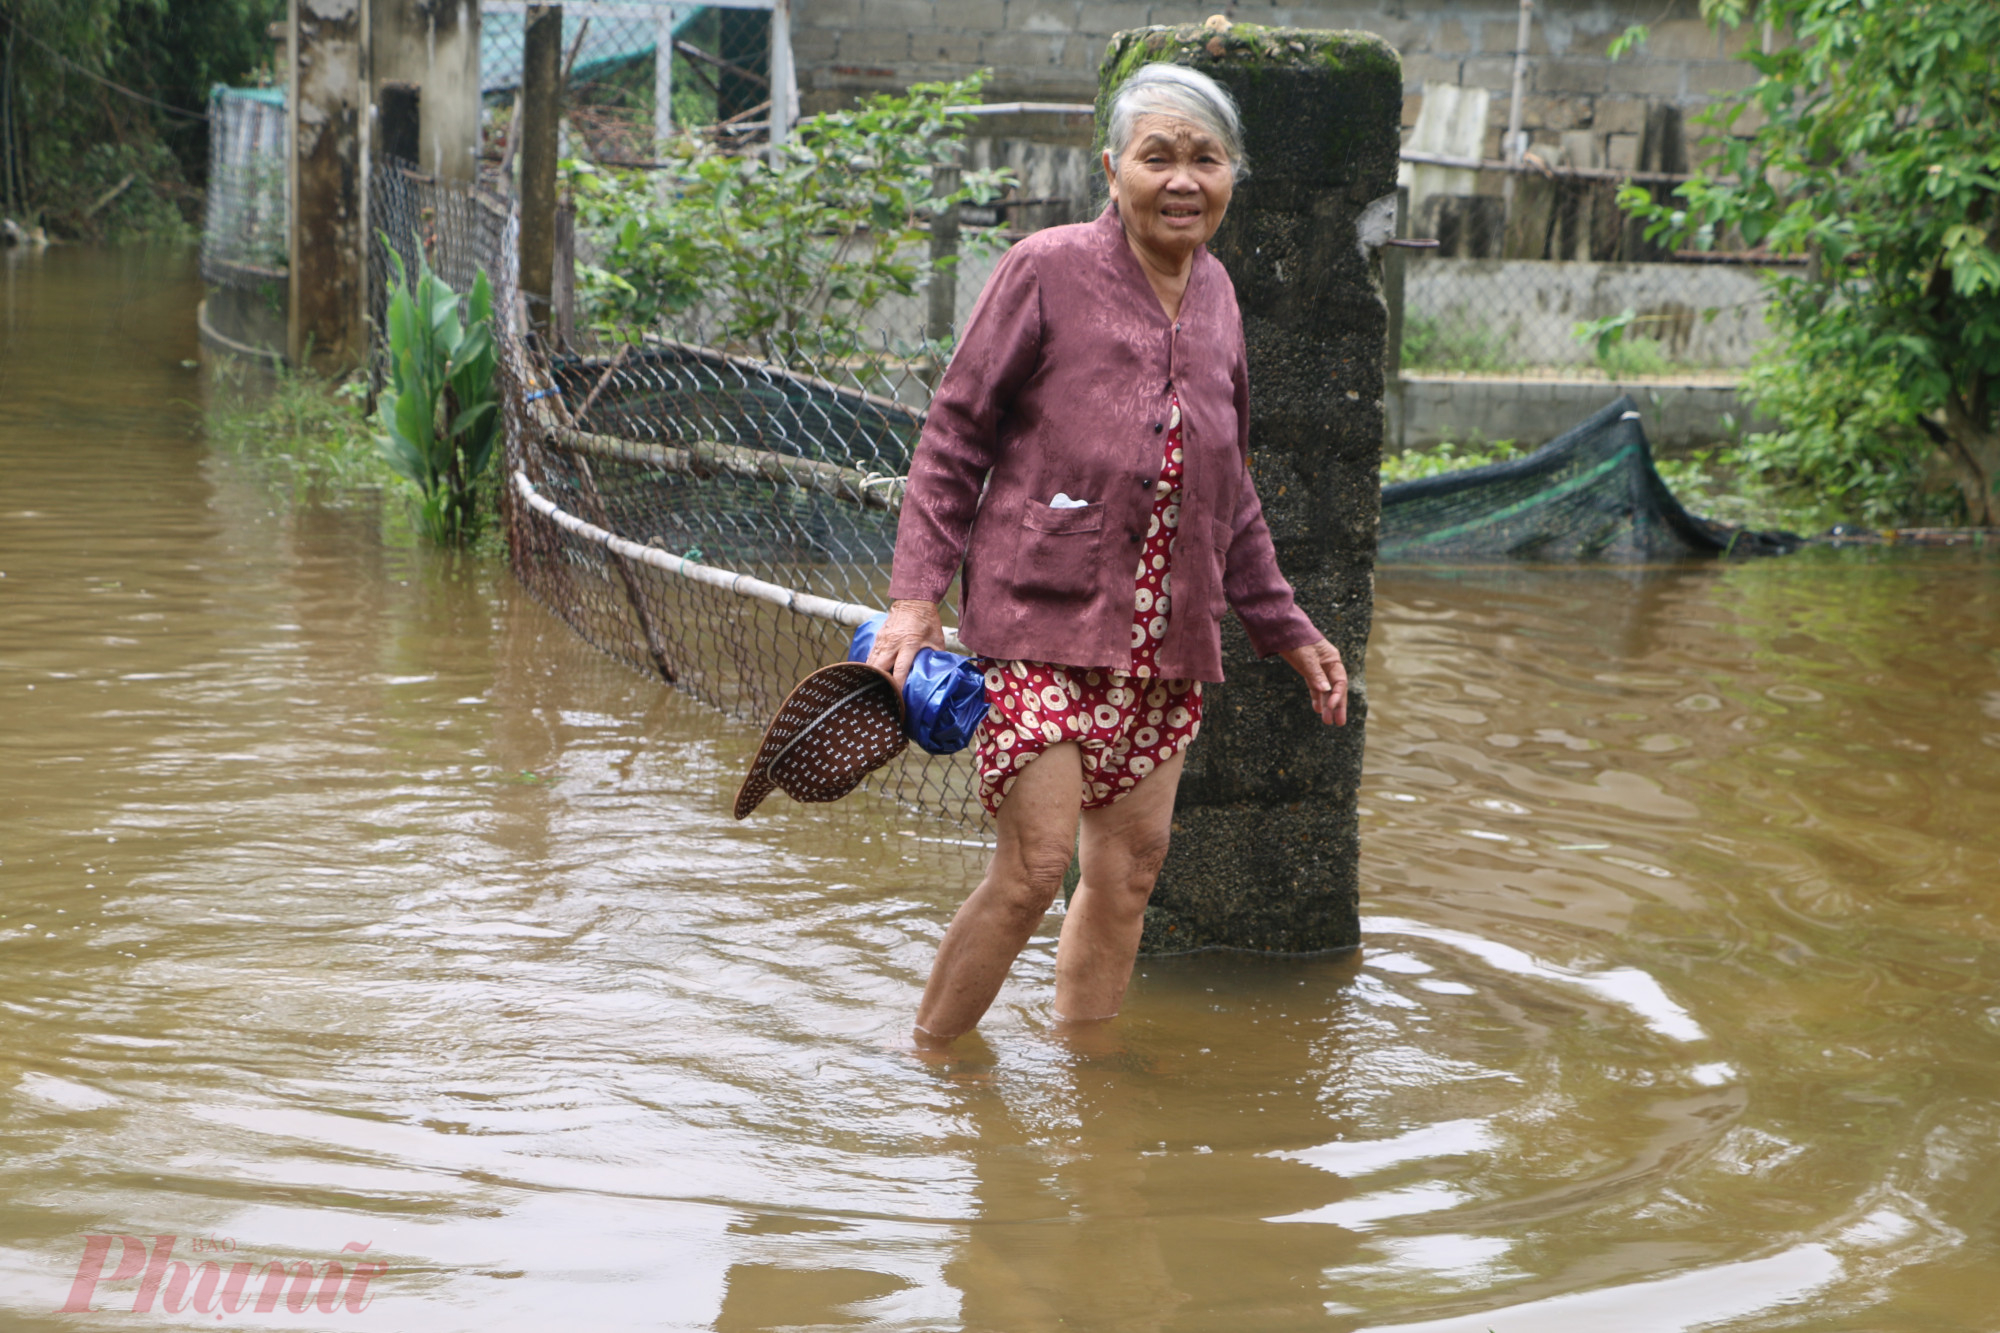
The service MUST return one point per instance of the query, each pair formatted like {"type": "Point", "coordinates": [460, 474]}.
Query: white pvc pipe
{"type": "Point", "coordinates": [805, 603]}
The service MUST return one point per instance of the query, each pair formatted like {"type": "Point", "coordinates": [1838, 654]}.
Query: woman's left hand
{"type": "Point", "coordinates": [1320, 664]}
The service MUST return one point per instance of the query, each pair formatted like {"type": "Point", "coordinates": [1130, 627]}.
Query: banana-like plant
{"type": "Point", "coordinates": [438, 414]}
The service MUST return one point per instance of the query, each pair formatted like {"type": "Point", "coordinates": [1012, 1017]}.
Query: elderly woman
{"type": "Point", "coordinates": [1084, 466]}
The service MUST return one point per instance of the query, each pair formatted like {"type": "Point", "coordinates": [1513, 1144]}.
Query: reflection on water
{"type": "Point", "coordinates": [345, 898]}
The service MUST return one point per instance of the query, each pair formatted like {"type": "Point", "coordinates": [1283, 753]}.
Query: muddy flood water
{"type": "Point", "coordinates": [353, 912]}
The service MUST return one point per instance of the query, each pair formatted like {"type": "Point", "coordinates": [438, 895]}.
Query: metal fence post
{"type": "Point", "coordinates": [1393, 267]}
{"type": "Point", "coordinates": [541, 109]}
{"type": "Point", "coordinates": [784, 78]}
{"type": "Point", "coordinates": [1513, 150]}
{"type": "Point", "coordinates": [664, 19]}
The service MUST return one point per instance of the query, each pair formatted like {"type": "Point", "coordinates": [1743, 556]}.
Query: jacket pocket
{"type": "Point", "coordinates": [1218, 600]}
{"type": "Point", "coordinates": [1058, 554]}
{"type": "Point", "coordinates": [1063, 522]}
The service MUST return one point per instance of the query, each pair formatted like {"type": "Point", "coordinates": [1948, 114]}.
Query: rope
{"type": "Point", "coordinates": [743, 585]}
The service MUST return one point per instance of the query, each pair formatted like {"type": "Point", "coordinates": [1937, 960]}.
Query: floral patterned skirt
{"type": "Point", "coordinates": [1126, 726]}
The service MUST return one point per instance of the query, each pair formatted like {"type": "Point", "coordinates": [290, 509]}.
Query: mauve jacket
{"type": "Point", "coordinates": [1062, 385]}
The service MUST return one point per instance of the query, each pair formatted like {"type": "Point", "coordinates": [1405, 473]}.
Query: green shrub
{"type": "Point", "coordinates": [439, 415]}
{"type": "Point", "coordinates": [1446, 457]}
{"type": "Point", "coordinates": [1455, 342]}
{"type": "Point", "coordinates": [786, 251]}
{"type": "Point", "coordinates": [311, 433]}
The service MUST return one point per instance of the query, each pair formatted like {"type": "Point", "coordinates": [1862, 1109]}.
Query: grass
{"type": "Point", "coordinates": [1446, 457]}
{"type": "Point", "coordinates": [311, 437]}
{"type": "Point", "coordinates": [1709, 483]}
{"type": "Point", "coordinates": [1460, 344]}
{"type": "Point", "coordinates": [308, 432]}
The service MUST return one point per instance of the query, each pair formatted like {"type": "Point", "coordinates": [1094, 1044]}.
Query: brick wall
{"type": "Point", "coordinates": [1048, 50]}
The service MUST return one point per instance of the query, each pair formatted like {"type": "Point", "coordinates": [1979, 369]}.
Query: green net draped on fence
{"type": "Point", "coordinates": [1591, 493]}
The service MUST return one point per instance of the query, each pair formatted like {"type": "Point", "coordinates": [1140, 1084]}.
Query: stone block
{"type": "Point", "coordinates": [1567, 74]}
{"type": "Point", "coordinates": [1419, 70]}
{"type": "Point", "coordinates": [968, 16]}
{"type": "Point", "coordinates": [866, 46]}
{"type": "Point", "coordinates": [1412, 104]}
{"type": "Point", "coordinates": [1104, 17]}
{"type": "Point", "coordinates": [898, 14]}
{"type": "Point", "coordinates": [1540, 111]}
{"type": "Point", "coordinates": [1621, 152]}
{"type": "Point", "coordinates": [1451, 37]}
{"type": "Point", "coordinates": [1265, 850]}
{"type": "Point", "coordinates": [1652, 80]}
{"type": "Point", "coordinates": [1043, 16]}
{"type": "Point", "coordinates": [1620, 115]}
{"type": "Point", "coordinates": [1253, 877]}
{"type": "Point", "coordinates": [1498, 38]}
{"type": "Point", "coordinates": [1682, 39]}
{"type": "Point", "coordinates": [1494, 72]}
{"type": "Point", "coordinates": [814, 46]}
{"type": "Point", "coordinates": [836, 14]}
{"type": "Point", "coordinates": [1082, 52]}
{"type": "Point", "coordinates": [945, 45]}
{"type": "Point", "coordinates": [1023, 50]}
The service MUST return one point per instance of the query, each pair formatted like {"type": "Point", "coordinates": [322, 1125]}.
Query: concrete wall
{"type": "Point", "coordinates": [435, 45]}
{"type": "Point", "coordinates": [1049, 50]}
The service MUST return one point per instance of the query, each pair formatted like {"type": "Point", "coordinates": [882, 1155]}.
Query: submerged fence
{"type": "Point", "coordinates": [713, 520]}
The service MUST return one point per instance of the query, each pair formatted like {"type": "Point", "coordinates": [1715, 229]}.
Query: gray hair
{"type": "Point", "coordinates": [1180, 92]}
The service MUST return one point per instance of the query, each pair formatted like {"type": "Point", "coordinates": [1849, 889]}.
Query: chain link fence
{"type": "Point", "coordinates": [1564, 284]}
{"type": "Point", "coordinates": [715, 520]}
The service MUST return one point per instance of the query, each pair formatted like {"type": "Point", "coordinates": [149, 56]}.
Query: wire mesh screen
{"type": "Point", "coordinates": [456, 231]}
{"type": "Point", "coordinates": [245, 235]}
{"type": "Point", "coordinates": [714, 520]}
{"type": "Point", "coordinates": [1565, 285]}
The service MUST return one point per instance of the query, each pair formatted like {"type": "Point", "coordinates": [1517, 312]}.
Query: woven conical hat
{"type": "Point", "coordinates": [836, 727]}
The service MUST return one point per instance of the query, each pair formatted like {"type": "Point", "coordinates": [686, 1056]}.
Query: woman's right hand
{"type": "Point", "coordinates": [910, 626]}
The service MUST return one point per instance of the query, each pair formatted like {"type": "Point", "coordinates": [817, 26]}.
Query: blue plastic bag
{"type": "Point", "coordinates": [944, 699]}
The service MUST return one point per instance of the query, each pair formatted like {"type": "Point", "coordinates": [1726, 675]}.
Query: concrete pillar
{"type": "Point", "coordinates": [1266, 844]}
{"type": "Point", "coordinates": [433, 44]}
{"type": "Point", "coordinates": [326, 105]}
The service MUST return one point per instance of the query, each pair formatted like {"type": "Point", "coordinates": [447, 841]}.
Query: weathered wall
{"type": "Point", "coordinates": [435, 45]}
{"type": "Point", "coordinates": [1050, 49]}
{"type": "Point", "coordinates": [1266, 847]}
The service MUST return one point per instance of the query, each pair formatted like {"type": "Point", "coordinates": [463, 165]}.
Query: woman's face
{"type": "Point", "coordinates": [1172, 186]}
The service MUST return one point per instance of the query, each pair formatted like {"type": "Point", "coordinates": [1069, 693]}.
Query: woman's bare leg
{"type": "Point", "coordinates": [1037, 826]}
{"type": "Point", "coordinates": [1123, 846]}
